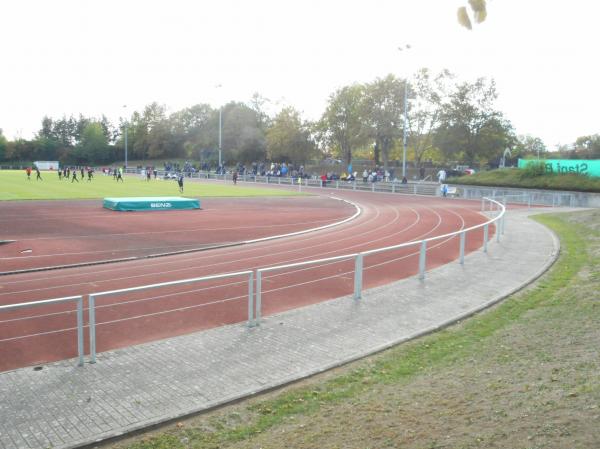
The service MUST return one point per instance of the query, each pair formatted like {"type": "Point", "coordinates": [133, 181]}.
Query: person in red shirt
{"type": "Point", "coordinates": [28, 171]}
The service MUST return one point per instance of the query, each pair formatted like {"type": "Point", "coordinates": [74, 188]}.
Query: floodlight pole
{"type": "Point", "coordinates": [404, 130]}
{"type": "Point", "coordinates": [125, 145]}
{"type": "Point", "coordinates": [125, 106]}
{"type": "Point", "coordinates": [406, 47]}
{"type": "Point", "coordinates": [220, 133]}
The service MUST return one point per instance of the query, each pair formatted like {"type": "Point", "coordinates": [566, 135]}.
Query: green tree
{"type": "Point", "coordinates": [527, 145]}
{"type": "Point", "coordinates": [243, 138]}
{"type": "Point", "coordinates": [289, 138]}
{"type": "Point", "coordinates": [588, 147]}
{"type": "Point", "coordinates": [194, 130]}
{"type": "Point", "coordinates": [383, 105]}
{"type": "Point", "coordinates": [343, 122]}
{"type": "Point", "coordinates": [3, 145]}
{"type": "Point", "coordinates": [471, 129]}
{"type": "Point", "coordinates": [426, 110]}
{"type": "Point", "coordinates": [93, 146]}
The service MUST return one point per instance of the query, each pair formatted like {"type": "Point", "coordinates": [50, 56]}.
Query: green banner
{"type": "Point", "coordinates": [589, 167]}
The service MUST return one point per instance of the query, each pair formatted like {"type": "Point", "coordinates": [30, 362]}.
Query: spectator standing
{"type": "Point", "coordinates": [441, 175]}
{"type": "Point", "coordinates": [180, 182]}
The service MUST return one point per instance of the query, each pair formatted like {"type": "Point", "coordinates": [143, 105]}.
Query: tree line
{"type": "Point", "coordinates": [441, 118]}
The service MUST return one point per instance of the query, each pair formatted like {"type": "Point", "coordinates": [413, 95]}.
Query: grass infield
{"type": "Point", "coordinates": [15, 186]}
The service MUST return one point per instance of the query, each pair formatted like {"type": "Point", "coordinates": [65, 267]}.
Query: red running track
{"type": "Point", "coordinates": [39, 336]}
{"type": "Point", "coordinates": [50, 233]}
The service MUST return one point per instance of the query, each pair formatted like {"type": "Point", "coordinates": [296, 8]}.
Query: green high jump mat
{"type": "Point", "coordinates": [151, 203]}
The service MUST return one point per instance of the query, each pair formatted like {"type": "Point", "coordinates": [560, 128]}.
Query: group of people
{"type": "Point", "coordinates": [65, 173]}
{"type": "Point", "coordinates": [37, 172]}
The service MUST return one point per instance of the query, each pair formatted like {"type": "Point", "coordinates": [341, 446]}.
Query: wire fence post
{"type": "Point", "coordinates": [251, 297]}
{"type": "Point", "coordinates": [422, 260]}
{"type": "Point", "coordinates": [485, 237]}
{"type": "Point", "coordinates": [92, 324]}
{"type": "Point", "coordinates": [80, 330]}
{"type": "Point", "coordinates": [482, 204]}
{"type": "Point", "coordinates": [358, 275]}
{"type": "Point", "coordinates": [258, 296]}
{"type": "Point", "coordinates": [462, 248]}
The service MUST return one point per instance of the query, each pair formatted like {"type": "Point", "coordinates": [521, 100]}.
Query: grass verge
{"type": "Point", "coordinates": [524, 374]}
{"type": "Point", "coordinates": [513, 177]}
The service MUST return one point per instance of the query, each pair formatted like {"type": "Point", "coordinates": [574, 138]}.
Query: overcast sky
{"type": "Point", "coordinates": [64, 57]}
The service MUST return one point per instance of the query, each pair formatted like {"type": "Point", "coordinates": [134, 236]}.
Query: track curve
{"type": "Point", "coordinates": [145, 316]}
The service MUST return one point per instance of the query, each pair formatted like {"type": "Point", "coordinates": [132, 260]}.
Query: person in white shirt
{"type": "Point", "coordinates": [441, 175]}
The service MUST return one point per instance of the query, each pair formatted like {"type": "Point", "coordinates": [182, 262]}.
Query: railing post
{"type": "Point", "coordinates": [503, 220]}
{"type": "Point", "coordinates": [393, 187]}
{"type": "Point", "coordinates": [422, 260]}
{"type": "Point", "coordinates": [414, 189]}
{"type": "Point", "coordinates": [251, 298]}
{"type": "Point", "coordinates": [482, 204]}
{"type": "Point", "coordinates": [258, 297]}
{"type": "Point", "coordinates": [372, 187]}
{"type": "Point", "coordinates": [485, 237]}
{"type": "Point", "coordinates": [462, 248]}
{"type": "Point", "coordinates": [337, 184]}
{"type": "Point", "coordinates": [498, 222]}
{"type": "Point", "coordinates": [529, 201]}
{"type": "Point", "coordinates": [92, 324]}
{"type": "Point", "coordinates": [358, 275]}
{"type": "Point", "coordinates": [354, 185]}
{"type": "Point", "coordinates": [80, 330]}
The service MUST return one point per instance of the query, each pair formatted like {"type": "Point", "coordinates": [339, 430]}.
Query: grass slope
{"type": "Point", "coordinates": [525, 374]}
{"type": "Point", "coordinates": [513, 177]}
{"type": "Point", "coordinates": [15, 186]}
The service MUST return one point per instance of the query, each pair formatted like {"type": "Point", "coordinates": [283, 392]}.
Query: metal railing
{"type": "Point", "coordinates": [359, 257]}
{"type": "Point", "coordinates": [48, 302]}
{"type": "Point", "coordinates": [94, 296]}
{"type": "Point", "coordinates": [255, 296]}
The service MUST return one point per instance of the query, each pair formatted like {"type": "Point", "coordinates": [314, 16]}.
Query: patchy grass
{"type": "Point", "coordinates": [15, 186]}
{"type": "Point", "coordinates": [513, 177]}
{"type": "Point", "coordinates": [525, 374]}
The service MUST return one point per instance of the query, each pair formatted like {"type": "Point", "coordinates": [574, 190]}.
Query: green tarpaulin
{"type": "Point", "coordinates": [582, 166]}
{"type": "Point", "coordinates": [151, 203]}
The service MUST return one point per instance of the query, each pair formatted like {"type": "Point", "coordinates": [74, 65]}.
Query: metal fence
{"type": "Point", "coordinates": [255, 292]}
{"type": "Point", "coordinates": [48, 302]}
